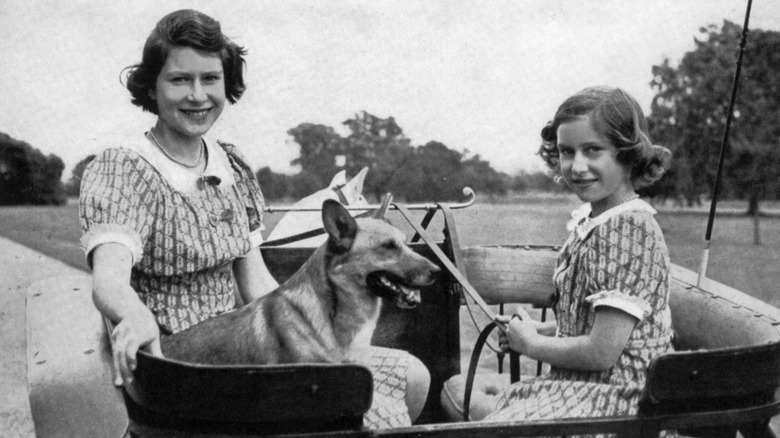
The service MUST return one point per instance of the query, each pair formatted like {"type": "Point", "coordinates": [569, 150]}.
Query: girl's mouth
{"type": "Point", "coordinates": [196, 114]}
{"type": "Point", "coordinates": [583, 182]}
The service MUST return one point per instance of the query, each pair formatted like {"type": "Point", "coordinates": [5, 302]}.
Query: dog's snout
{"type": "Point", "coordinates": [428, 264]}
{"type": "Point", "coordinates": [426, 271]}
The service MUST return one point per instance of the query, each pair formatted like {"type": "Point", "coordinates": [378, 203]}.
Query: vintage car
{"type": "Point", "coordinates": [721, 379]}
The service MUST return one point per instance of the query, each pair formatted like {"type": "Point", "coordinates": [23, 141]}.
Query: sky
{"type": "Point", "coordinates": [478, 76]}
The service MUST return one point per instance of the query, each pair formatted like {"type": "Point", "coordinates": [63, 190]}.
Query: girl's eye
{"type": "Point", "coordinates": [593, 149]}
{"type": "Point", "coordinates": [211, 79]}
{"type": "Point", "coordinates": [566, 152]}
{"type": "Point", "coordinates": [179, 80]}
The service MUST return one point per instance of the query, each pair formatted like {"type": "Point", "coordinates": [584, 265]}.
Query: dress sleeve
{"type": "Point", "coordinates": [251, 193]}
{"type": "Point", "coordinates": [115, 203]}
{"type": "Point", "coordinates": [254, 211]}
{"type": "Point", "coordinates": [631, 264]}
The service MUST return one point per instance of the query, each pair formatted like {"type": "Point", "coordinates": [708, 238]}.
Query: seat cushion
{"type": "Point", "coordinates": [484, 394]}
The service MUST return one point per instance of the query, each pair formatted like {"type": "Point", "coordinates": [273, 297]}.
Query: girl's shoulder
{"type": "Point", "coordinates": [640, 217]}
{"type": "Point", "coordinates": [235, 155]}
{"type": "Point", "coordinates": [118, 173]}
{"type": "Point", "coordinates": [117, 154]}
{"type": "Point", "coordinates": [118, 159]}
{"type": "Point", "coordinates": [635, 214]}
{"type": "Point", "coordinates": [635, 225]}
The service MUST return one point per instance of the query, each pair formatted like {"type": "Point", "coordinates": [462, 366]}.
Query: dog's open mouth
{"type": "Point", "coordinates": [389, 286]}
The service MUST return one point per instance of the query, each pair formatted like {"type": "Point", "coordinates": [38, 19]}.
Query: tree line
{"type": "Point", "coordinates": [27, 176]}
{"type": "Point", "coordinates": [688, 113]}
{"type": "Point", "coordinates": [428, 172]}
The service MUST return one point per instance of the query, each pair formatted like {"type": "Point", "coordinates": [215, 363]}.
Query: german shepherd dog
{"type": "Point", "coordinates": [325, 312]}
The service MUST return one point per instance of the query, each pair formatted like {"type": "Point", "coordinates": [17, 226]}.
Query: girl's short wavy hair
{"type": "Point", "coordinates": [185, 28]}
{"type": "Point", "coordinates": [616, 116]}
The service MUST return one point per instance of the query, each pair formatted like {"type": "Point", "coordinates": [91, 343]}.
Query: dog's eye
{"type": "Point", "coordinates": [390, 244]}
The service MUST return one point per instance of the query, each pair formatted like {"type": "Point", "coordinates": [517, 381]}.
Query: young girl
{"type": "Point", "coordinates": [612, 276]}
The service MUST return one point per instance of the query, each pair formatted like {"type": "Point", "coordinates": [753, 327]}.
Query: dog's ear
{"type": "Point", "coordinates": [339, 180]}
{"type": "Point", "coordinates": [357, 182]}
{"type": "Point", "coordinates": [339, 224]}
{"type": "Point", "coordinates": [380, 212]}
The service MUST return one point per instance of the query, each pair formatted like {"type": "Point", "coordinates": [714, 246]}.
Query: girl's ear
{"type": "Point", "coordinates": [152, 94]}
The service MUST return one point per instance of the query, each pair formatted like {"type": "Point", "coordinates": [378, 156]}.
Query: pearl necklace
{"type": "Point", "coordinates": [187, 165]}
{"type": "Point", "coordinates": [629, 199]}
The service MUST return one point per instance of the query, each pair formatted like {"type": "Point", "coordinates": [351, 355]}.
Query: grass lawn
{"type": "Point", "coordinates": [734, 259]}
{"type": "Point", "coordinates": [52, 230]}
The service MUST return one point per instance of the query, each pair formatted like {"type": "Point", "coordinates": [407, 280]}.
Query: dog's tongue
{"type": "Point", "coordinates": [404, 297]}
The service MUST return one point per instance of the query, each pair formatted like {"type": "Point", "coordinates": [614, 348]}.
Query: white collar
{"type": "Point", "coordinates": [181, 179]}
{"type": "Point", "coordinates": [583, 223]}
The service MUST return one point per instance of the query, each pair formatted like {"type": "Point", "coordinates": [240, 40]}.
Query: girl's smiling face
{"type": "Point", "coordinates": [190, 92]}
{"type": "Point", "coordinates": [590, 167]}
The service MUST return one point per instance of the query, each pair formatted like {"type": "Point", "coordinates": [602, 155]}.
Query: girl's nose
{"type": "Point", "coordinates": [198, 93]}
{"type": "Point", "coordinates": [579, 164]}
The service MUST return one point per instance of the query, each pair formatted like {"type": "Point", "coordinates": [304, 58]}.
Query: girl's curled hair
{"type": "Point", "coordinates": [616, 116]}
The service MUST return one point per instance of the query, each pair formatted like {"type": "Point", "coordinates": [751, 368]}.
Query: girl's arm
{"type": "Point", "coordinates": [117, 301]}
{"type": "Point", "coordinates": [596, 351]}
{"type": "Point", "coordinates": [252, 276]}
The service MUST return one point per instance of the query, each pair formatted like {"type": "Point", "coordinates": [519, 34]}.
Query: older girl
{"type": "Point", "coordinates": [612, 276]}
{"type": "Point", "coordinates": [172, 220]}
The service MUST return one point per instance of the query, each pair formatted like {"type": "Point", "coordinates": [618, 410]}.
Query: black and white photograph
{"type": "Point", "coordinates": [390, 218]}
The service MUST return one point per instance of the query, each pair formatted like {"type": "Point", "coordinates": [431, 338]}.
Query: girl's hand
{"type": "Point", "coordinates": [520, 331]}
{"type": "Point", "coordinates": [128, 336]}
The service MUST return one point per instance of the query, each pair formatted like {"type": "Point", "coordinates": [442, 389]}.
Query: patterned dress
{"type": "Point", "coordinates": [620, 260]}
{"type": "Point", "coordinates": [184, 231]}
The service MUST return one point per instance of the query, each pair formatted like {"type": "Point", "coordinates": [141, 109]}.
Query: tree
{"type": "Point", "coordinates": [303, 184]}
{"type": "Point", "coordinates": [380, 145]}
{"type": "Point", "coordinates": [73, 186]}
{"type": "Point", "coordinates": [688, 115]}
{"type": "Point", "coordinates": [274, 185]}
{"type": "Point", "coordinates": [27, 176]}
{"type": "Point", "coordinates": [320, 147]}
{"type": "Point", "coordinates": [480, 176]}
{"type": "Point", "coordinates": [429, 172]}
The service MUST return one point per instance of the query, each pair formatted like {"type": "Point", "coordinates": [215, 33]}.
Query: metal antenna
{"type": "Point", "coordinates": [705, 254]}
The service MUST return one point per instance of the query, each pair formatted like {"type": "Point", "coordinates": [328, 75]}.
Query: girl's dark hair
{"type": "Point", "coordinates": [616, 116]}
{"type": "Point", "coordinates": [185, 28]}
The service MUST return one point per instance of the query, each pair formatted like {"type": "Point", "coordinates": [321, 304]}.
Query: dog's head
{"type": "Point", "coordinates": [373, 254]}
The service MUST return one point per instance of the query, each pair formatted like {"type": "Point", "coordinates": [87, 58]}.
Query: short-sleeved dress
{"type": "Point", "coordinates": [184, 231]}
{"type": "Point", "coordinates": [618, 259]}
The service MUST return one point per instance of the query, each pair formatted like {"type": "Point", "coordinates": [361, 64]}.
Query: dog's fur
{"type": "Point", "coordinates": [326, 312]}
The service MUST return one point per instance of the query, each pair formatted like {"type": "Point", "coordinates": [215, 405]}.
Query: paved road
{"type": "Point", "coordinates": [19, 267]}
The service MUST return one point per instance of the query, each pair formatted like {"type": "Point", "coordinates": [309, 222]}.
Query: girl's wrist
{"type": "Point", "coordinates": [548, 328]}
{"type": "Point", "coordinates": [140, 316]}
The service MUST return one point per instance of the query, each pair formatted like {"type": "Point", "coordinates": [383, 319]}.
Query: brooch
{"type": "Point", "coordinates": [208, 180]}
{"type": "Point", "coordinates": [225, 216]}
